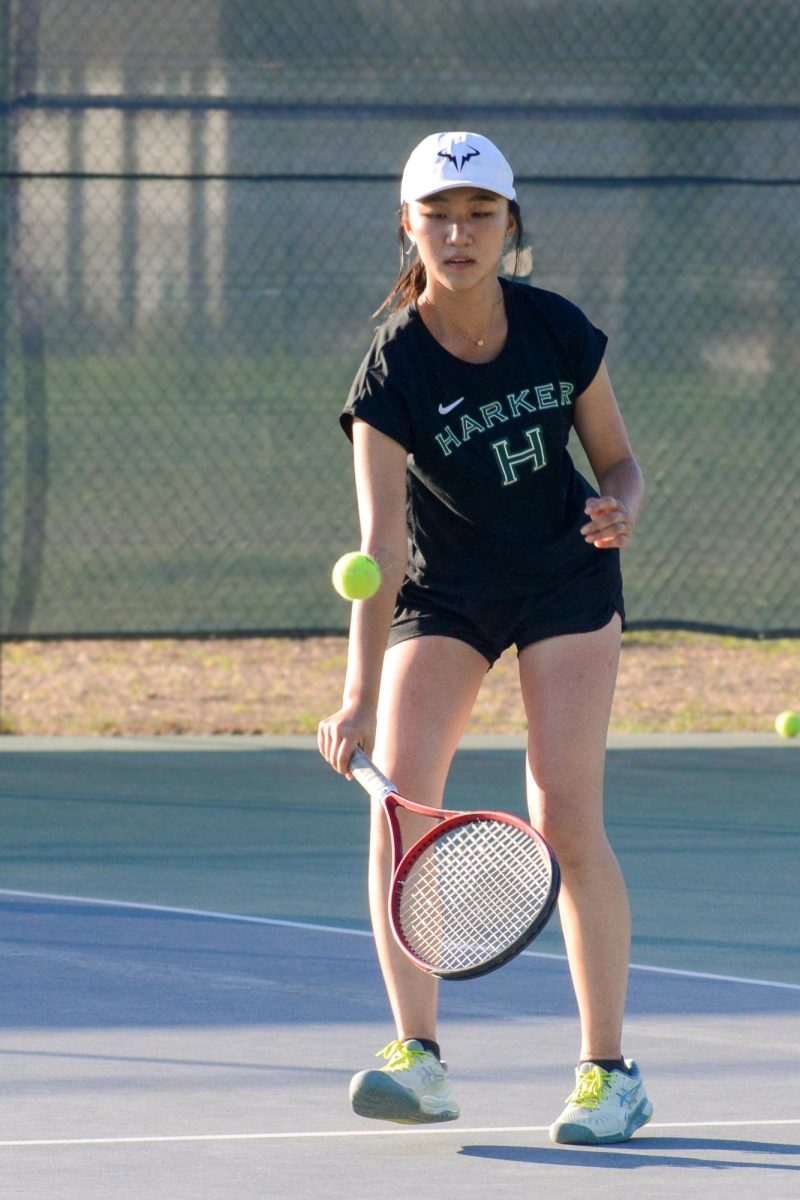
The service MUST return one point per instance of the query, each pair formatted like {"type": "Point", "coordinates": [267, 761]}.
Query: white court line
{"type": "Point", "coordinates": [349, 932]}
{"type": "Point", "coordinates": [186, 912]}
{"type": "Point", "coordinates": [361, 1133]}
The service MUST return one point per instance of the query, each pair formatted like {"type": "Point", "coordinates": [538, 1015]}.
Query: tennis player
{"type": "Point", "coordinates": [488, 537]}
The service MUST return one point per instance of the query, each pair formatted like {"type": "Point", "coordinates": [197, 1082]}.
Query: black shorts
{"type": "Point", "coordinates": [491, 626]}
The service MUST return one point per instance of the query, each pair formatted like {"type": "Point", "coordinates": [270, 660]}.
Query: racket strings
{"type": "Point", "coordinates": [473, 893]}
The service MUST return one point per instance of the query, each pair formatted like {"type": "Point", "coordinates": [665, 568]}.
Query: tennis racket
{"type": "Point", "coordinates": [472, 892]}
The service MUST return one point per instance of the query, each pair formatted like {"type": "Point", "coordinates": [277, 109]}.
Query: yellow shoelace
{"type": "Point", "coordinates": [399, 1056]}
{"type": "Point", "coordinates": [592, 1088]}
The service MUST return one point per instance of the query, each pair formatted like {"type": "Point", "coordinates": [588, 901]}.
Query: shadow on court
{"type": "Point", "coordinates": [631, 1158]}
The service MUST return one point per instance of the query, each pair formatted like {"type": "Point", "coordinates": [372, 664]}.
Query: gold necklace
{"type": "Point", "coordinates": [475, 341]}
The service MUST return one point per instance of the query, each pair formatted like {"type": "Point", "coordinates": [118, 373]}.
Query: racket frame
{"type": "Point", "coordinates": [383, 790]}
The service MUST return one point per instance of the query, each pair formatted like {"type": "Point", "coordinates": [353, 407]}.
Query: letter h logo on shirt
{"type": "Point", "coordinates": [535, 454]}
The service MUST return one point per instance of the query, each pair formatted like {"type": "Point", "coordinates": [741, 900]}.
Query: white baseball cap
{"type": "Point", "coordinates": [450, 160]}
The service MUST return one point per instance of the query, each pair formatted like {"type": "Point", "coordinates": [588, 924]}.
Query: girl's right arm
{"type": "Point", "coordinates": [380, 473]}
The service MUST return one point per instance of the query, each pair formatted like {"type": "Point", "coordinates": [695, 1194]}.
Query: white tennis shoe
{"type": "Point", "coordinates": [411, 1089]}
{"type": "Point", "coordinates": [605, 1106]}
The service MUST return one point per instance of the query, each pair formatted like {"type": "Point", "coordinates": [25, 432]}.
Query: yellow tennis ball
{"type": "Point", "coordinates": [356, 576]}
{"type": "Point", "coordinates": [787, 724]}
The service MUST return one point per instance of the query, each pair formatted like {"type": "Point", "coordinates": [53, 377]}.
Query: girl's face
{"type": "Point", "coordinates": [459, 235]}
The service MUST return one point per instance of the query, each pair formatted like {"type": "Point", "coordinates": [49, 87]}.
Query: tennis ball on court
{"type": "Point", "coordinates": [787, 724]}
{"type": "Point", "coordinates": [356, 576]}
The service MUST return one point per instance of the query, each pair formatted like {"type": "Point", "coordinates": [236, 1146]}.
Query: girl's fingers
{"type": "Point", "coordinates": [610, 525]}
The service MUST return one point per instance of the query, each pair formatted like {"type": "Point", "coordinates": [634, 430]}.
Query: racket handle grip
{"type": "Point", "coordinates": [368, 775]}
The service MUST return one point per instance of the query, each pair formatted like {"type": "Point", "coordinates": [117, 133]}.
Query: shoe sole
{"type": "Point", "coordinates": [374, 1096]}
{"type": "Point", "coordinates": [572, 1134]}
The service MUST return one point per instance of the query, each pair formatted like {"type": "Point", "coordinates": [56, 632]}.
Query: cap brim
{"type": "Point", "coordinates": [450, 184]}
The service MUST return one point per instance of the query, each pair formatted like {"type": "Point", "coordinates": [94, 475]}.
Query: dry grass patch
{"type": "Point", "coordinates": [668, 682]}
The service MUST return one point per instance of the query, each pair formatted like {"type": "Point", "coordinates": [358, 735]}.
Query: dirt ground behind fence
{"type": "Point", "coordinates": [668, 682]}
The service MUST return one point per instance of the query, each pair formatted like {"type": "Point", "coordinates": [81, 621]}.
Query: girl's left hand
{"type": "Point", "coordinates": [610, 525]}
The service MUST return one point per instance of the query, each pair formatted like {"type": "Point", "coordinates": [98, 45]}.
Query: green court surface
{"type": "Point", "coordinates": [189, 980]}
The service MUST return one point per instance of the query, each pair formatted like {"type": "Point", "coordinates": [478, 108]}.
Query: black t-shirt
{"type": "Point", "coordinates": [495, 503]}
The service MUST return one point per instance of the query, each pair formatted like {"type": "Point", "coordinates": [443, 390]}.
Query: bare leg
{"type": "Point", "coordinates": [568, 686]}
{"type": "Point", "coordinates": [428, 688]}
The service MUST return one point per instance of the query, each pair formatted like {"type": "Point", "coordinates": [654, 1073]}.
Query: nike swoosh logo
{"type": "Point", "coordinates": [444, 409]}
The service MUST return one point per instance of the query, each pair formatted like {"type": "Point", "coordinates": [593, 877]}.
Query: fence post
{"type": "Point", "coordinates": [5, 280]}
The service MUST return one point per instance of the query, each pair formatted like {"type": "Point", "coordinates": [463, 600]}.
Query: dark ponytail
{"type": "Point", "coordinates": [412, 277]}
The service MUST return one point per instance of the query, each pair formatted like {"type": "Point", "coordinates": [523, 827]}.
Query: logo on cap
{"type": "Point", "coordinates": [462, 153]}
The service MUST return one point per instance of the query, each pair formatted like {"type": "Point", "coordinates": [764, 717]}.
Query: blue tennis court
{"type": "Point", "coordinates": [190, 982]}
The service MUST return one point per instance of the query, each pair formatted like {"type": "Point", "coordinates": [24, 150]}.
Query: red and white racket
{"type": "Point", "coordinates": [472, 892]}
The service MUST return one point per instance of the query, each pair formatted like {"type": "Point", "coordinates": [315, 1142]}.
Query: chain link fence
{"type": "Point", "coordinates": [199, 211]}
